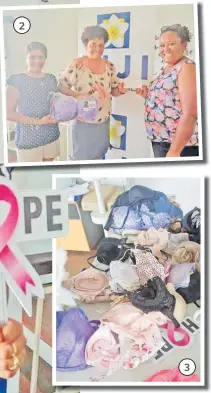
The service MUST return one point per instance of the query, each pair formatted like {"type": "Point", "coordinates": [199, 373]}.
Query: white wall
{"type": "Point", "coordinates": [183, 14]}
{"type": "Point", "coordinates": [185, 191]}
{"type": "Point", "coordinates": [38, 178]}
{"type": "Point", "coordinates": [56, 29]}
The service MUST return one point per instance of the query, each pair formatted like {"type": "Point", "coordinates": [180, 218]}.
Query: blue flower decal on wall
{"type": "Point", "coordinates": [118, 28]}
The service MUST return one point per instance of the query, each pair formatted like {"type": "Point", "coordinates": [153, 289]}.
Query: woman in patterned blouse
{"type": "Point", "coordinates": [28, 105]}
{"type": "Point", "coordinates": [171, 99]}
{"type": "Point", "coordinates": [87, 75]}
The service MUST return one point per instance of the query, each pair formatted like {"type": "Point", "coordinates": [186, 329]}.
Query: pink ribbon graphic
{"type": "Point", "coordinates": [7, 257]}
{"type": "Point", "coordinates": [170, 332]}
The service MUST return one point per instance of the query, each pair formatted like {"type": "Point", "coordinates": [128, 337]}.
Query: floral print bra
{"type": "Point", "coordinates": [163, 107]}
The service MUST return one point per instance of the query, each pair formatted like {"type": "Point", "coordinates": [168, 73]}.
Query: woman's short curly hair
{"type": "Point", "coordinates": [37, 46]}
{"type": "Point", "coordinates": [182, 31]}
{"type": "Point", "coordinates": [92, 32]}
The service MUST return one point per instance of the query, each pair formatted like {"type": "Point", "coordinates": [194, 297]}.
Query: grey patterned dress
{"type": "Point", "coordinates": [90, 140]}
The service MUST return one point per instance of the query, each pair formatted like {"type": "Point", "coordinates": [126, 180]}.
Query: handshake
{"type": "Point", "coordinates": [141, 91]}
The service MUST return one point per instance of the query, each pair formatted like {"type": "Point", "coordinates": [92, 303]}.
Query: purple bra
{"type": "Point", "coordinates": [73, 332]}
{"type": "Point", "coordinates": [63, 108]}
{"type": "Point", "coordinates": [66, 108]}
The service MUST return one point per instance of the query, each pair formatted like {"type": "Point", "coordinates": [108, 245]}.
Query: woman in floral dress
{"type": "Point", "coordinates": [88, 75]}
{"type": "Point", "coordinates": [171, 99]}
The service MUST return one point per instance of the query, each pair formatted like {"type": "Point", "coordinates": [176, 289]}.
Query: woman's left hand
{"type": "Point", "coordinates": [12, 349]}
{"type": "Point", "coordinates": [122, 89]}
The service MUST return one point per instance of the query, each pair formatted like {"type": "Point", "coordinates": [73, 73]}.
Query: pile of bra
{"type": "Point", "coordinates": [153, 274]}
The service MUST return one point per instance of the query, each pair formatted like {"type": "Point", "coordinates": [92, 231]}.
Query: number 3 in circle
{"type": "Point", "coordinates": [187, 367]}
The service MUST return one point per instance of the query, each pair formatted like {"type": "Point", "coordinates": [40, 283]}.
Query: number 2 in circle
{"type": "Point", "coordinates": [21, 26]}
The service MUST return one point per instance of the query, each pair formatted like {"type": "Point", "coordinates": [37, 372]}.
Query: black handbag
{"type": "Point", "coordinates": [110, 249]}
